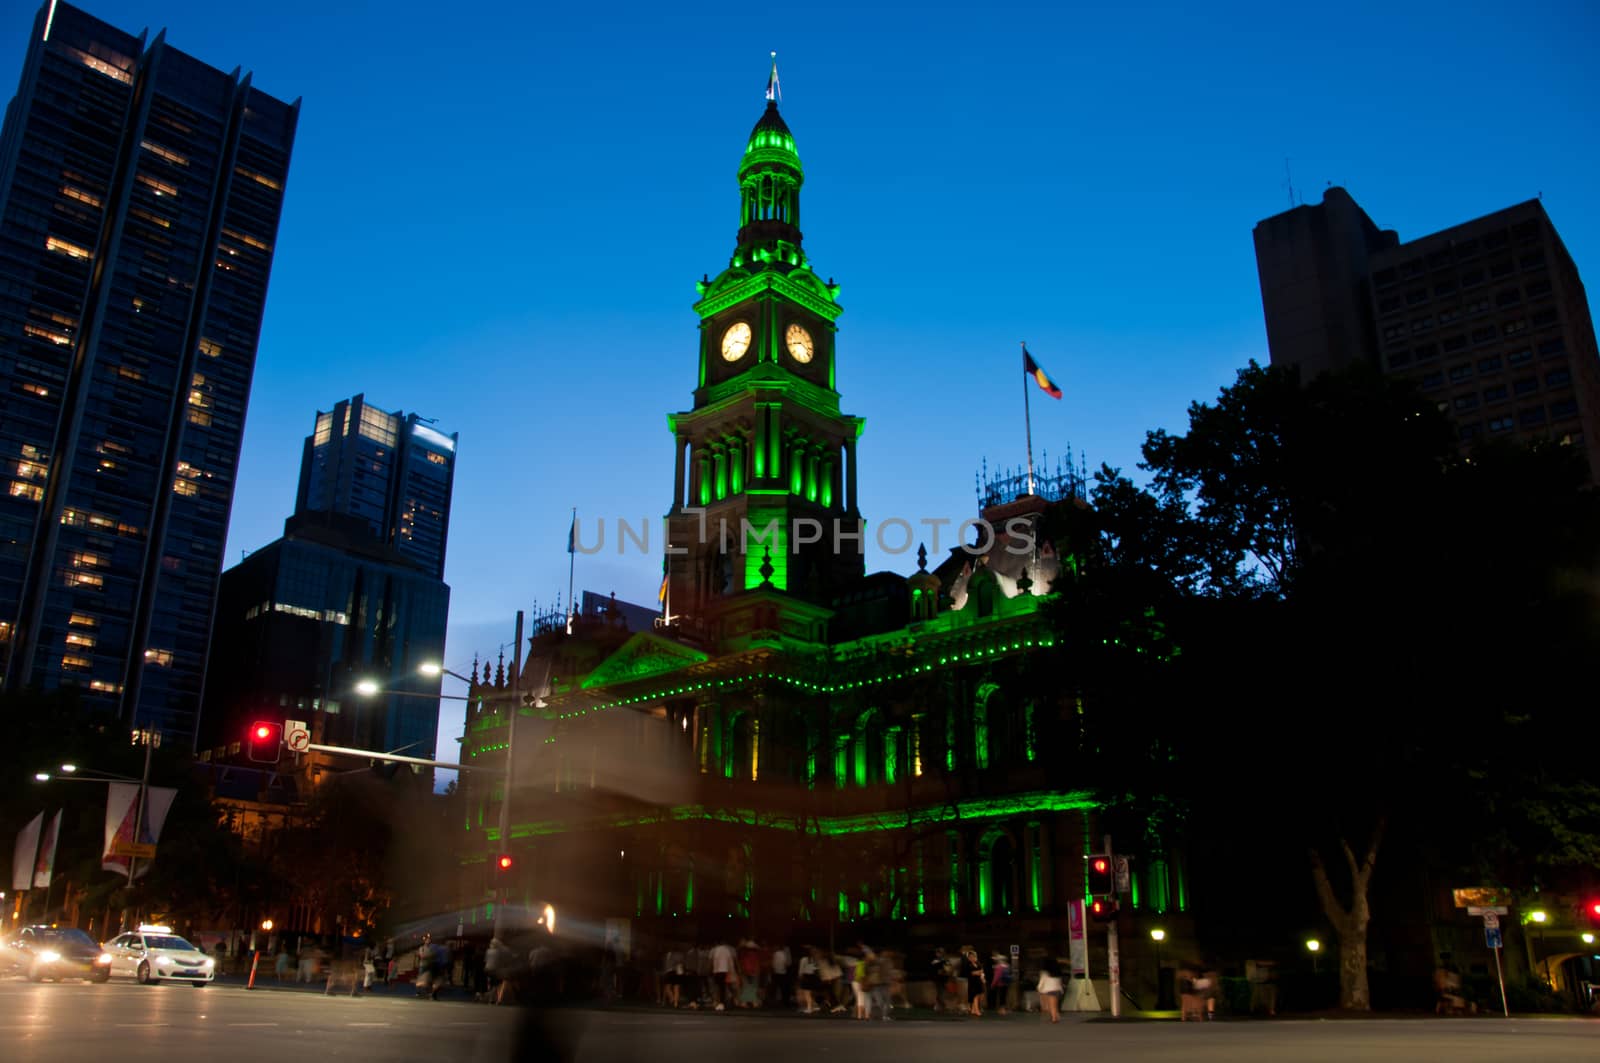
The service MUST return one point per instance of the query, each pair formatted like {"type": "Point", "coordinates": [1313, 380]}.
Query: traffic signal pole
{"type": "Point", "coordinates": [1113, 960]}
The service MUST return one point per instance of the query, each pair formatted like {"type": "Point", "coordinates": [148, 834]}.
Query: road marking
{"type": "Point", "coordinates": [369, 1024]}
{"type": "Point", "coordinates": [142, 1024]}
{"type": "Point", "coordinates": [252, 1024]}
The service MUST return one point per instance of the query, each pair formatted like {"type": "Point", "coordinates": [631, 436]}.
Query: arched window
{"type": "Point", "coordinates": [997, 874]}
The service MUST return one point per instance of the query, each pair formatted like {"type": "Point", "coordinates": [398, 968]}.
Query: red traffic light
{"type": "Point", "coordinates": [1594, 909]}
{"type": "Point", "coordinates": [1100, 876]}
{"type": "Point", "coordinates": [1102, 910]}
{"type": "Point", "coordinates": [266, 742]}
{"type": "Point", "coordinates": [505, 862]}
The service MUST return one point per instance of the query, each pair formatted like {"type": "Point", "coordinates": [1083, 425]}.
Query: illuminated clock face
{"type": "Point", "coordinates": [798, 340]}
{"type": "Point", "coordinates": [736, 341]}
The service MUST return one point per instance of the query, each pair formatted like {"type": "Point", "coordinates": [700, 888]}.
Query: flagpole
{"type": "Point", "coordinates": [1027, 414]}
{"type": "Point", "coordinates": [572, 559]}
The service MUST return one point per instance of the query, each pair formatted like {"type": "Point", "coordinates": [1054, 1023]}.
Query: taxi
{"type": "Point", "coordinates": [154, 954]}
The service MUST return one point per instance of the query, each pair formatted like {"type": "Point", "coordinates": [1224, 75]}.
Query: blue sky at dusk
{"type": "Point", "coordinates": [497, 212]}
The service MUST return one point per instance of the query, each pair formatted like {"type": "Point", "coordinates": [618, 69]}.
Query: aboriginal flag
{"type": "Point", "coordinates": [1040, 377]}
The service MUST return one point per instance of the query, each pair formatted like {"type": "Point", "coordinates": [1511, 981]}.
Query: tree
{"type": "Point", "coordinates": [1315, 553]}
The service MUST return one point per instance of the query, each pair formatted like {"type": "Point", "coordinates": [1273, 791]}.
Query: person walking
{"type": "Point", "coordinates": [1050, 989]}
{"type": "Point", "coordinates": [782, 978]}
{"type": "Point", "coordinates": [972, 971]}
{"type": "Point", "coordinates": [809, 982]}
{"type": "Point", "coordinates": [724, 981]}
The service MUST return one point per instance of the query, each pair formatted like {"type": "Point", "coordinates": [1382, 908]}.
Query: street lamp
{"type": "Point", "coordinates": [1538, 916]}
{"type": "Point", "coordinates": [433, 669]}
{"type": "Point", "coordinates": [367, 687]}
{"type": "Point", "coordinates": [266, 924]}
{"type": "Point", "coordinates": [1158, 936]}
{"type": "Point", "coordinates": [1588, 938]}
{"type": "Point", "coordinates": [1313, 946]}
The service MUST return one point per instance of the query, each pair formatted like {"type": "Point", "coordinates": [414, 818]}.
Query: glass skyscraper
{"type": "Point", "coordinates": [140, 193]}
{"type": "Point", "coordinates": [392, 470]}
{"type": "Point", "coordinates": [303, 619]}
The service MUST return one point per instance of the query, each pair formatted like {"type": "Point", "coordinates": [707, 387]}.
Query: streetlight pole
{"type": "Point", "coordinates": [508, 776]}
{"type": "Point", "coordinates": [1158, 936]}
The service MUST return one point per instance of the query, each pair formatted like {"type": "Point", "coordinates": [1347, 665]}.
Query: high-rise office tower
{"type": "Point", "coordinates": [1488, 317]}
{"type": "Point", "coordinates": [140, 192]}
{"type": "Point", "coordinates": [390, 469]}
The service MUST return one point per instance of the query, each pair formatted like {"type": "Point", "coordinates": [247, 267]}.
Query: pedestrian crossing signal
{"type": "Point", "coordinates": [504, 863]}
{"type": "Point", "coordinates": [1102, 910]}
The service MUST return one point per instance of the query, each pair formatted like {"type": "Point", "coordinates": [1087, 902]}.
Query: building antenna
{"type": "Point", "coordinates": [1288, 179]}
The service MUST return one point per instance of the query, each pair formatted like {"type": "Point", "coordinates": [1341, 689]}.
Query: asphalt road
{"type": "Point", "coordinates": [77, 1022]}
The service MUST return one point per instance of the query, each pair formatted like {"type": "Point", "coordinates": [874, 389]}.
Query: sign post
{"type": "Point", "coordinates": [1491, 937]}
{"type": "Point", "coordinates": [1113, 960]}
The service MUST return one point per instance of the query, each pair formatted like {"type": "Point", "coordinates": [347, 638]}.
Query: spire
{"type": "Point", "coordinates": [769, 182]}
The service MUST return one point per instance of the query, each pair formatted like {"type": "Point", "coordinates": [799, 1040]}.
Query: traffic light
{"type": "Point", "coordinates": [1591, 908]}
{"type": "Point", "coordinates": [504, 863]}
{"type": "Point", "coordinates": [1102, 910]}
{"type": "Point", "coordinates": [1100, 884]}
{"type": "Point", "coordinates": [265, 745]}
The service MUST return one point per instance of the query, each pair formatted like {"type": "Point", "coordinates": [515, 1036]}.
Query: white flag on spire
{"type": "Point", "coordinates": [773, 91]}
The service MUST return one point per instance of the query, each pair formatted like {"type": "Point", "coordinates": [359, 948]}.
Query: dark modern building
{"type": "Point", "coordinates": [140, 193]}
{"type": "Point", "coordinates": [392, 470]}
{"type": "Point", "coordinates": [1489, 317]}
{"type": "Point", "coordinates": [303, 619]}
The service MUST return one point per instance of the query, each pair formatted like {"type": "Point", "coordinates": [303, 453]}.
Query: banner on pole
{"type": "Point", "coordinates": [1077, 938]}
{"type": "Point", "coordinates": [122, 806]}
{"type": "Point", "coordinates": [22, 857]}
{"type": "Point", "coordinates": [46, 864]}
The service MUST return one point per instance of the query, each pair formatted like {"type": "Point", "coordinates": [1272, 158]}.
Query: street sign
{"type": "Point", "coordinates": [1480, 909]}
{"type": "Point", "coordinates": [1120, 872]}
{"type": "Point", "coordinates": [1491, 921]}
{"type": "Point", "coordinates": [1491, 936]}
{"type": "Point", "coordinates": [1016, 950]}
{"type": "Point", "coordinates": [142, 850]}
{"type": "Point", "coordinates": [297, 739]}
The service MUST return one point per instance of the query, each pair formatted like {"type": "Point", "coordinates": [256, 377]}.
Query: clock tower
{"type": "Point", "coordinates": [765, 472]}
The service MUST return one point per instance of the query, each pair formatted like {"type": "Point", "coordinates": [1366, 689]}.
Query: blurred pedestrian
{"type": "Point", "coordinates": [1050, 989]}
{"type": "Point", "coordinates": [972, 971]}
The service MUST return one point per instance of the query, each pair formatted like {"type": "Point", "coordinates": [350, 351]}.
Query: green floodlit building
{"type": "Point", "coordinates": [796, 744]}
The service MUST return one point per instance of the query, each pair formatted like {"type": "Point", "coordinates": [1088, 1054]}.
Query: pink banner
{"type": "Point", "coordinates": [1077, 939]}
{"type": "Point", "coordinates": [46, 864]}
{"type": "Point", "coordinates": [22, 857]}
{"type": "Point", "coordinates": [122, 808]}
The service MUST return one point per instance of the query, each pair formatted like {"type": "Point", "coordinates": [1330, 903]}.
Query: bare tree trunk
{"type": "Point", "coordinates": [1350, 923]}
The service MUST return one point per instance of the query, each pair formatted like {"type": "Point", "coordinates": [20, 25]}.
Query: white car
{"type": "Point", "coordinates": [154, 953]}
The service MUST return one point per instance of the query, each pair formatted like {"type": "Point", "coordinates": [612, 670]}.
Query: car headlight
{"type": "Point", "coordinates": [163, 961]}
{"type": "Point", "coordinates": [104, 959]}
{"type": "Point", "coordinates": [209, 964]}
{"type": "Point", "coordinates": [49, 956]}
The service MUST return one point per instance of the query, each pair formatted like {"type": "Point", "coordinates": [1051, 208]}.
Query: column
{"type": "Point", "coordinates": [774, 444]}
{"type": "Point", "coordinates": [702, 486]}
{"type": "Point", "coordinates": [677, 480]}
{"type": "Point", "coordinates": [850, 474]}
